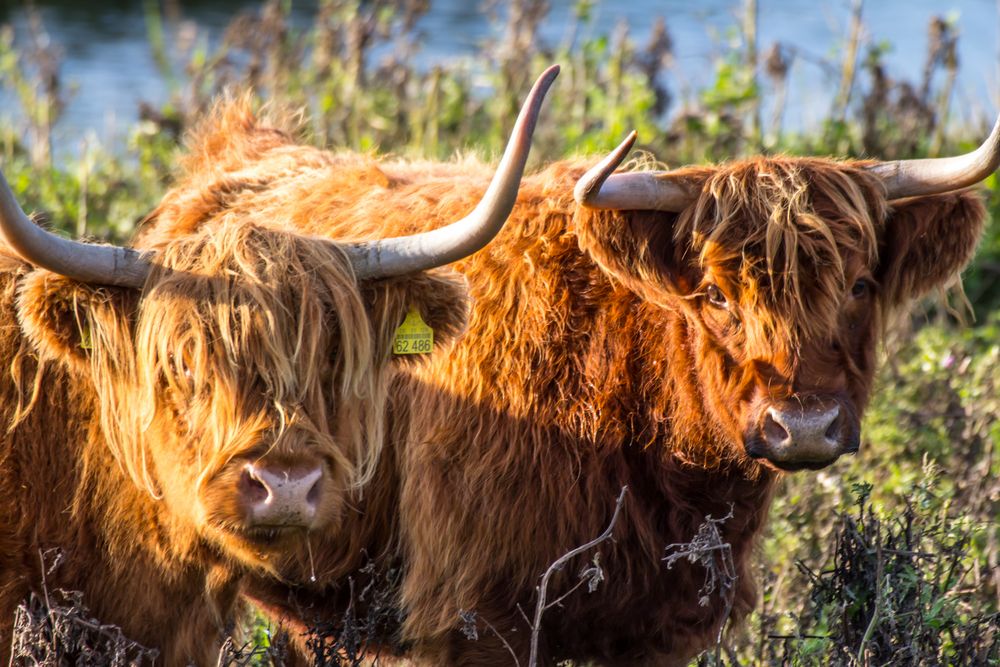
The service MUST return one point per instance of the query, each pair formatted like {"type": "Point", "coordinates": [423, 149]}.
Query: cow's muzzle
{"type": "Point", "coordinates": [275, 497]}
{"type": "Point", "coordinates": [801, 434]}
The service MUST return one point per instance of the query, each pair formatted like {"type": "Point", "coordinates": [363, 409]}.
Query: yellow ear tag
{"type": "Point", "coordinates": [413, 336]}
{"type": "Point", "coordinates": [86, 341]}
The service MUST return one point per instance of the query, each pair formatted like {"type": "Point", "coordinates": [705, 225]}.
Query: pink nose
{"type": "Point", "coordinates": [280, 497]}
{"type": "Point", "coordinates": [804, 434]}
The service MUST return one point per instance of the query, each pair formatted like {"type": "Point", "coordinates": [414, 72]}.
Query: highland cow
{"type": "Point", "coordinates": [179, 413]}
{"type": "Point", "coordinates": [693, 334]}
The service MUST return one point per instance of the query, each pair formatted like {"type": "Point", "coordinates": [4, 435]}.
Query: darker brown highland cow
{"type": "Point", "coordinates": [202, 406]}
{"type": "Point", "coordinates": [691, 334]}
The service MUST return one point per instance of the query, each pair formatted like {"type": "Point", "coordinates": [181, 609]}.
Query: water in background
{"type": "Point", "coordinates": [107, 57]}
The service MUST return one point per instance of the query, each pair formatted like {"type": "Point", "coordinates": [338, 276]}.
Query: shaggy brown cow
{"type": "Point", "coordinates": [176, 415]}
{"type": "Point", "coordinates": [690, 334]}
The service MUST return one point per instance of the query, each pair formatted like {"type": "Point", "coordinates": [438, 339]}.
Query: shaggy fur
{"type": "Point", "coordinates": [594, 359]}
{"type": "Point", "coordinates": [128, 416]}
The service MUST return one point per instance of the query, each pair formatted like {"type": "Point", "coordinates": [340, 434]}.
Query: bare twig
{"type": "Point", "coordinates": [876, 612]}
{"type": "Point", "coordinates": [56, 628]}
{"type": "Point", "coordinates": [469, 620]}
{"type": "Point", "coordinates": [45, 592]}
{"type": "Point", "coordinates": [584, 579]}
{"type": "Point", "coordinates": [710, 551]}
{"type": "Point", "coordinates": [557, 565]}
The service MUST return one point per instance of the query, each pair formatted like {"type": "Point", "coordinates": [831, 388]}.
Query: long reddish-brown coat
{"type": "Point", "coordinates": [572, 381]}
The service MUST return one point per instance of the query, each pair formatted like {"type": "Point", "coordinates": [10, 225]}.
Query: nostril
{"type": "Point", "coordinates": [833, 430]}
{"type": "Point", "coordinates": [774, 433]}
{"type": "Point", "coordinates": [312, 498]}
{"type": "Point", "coordinates": [280, 495]}
{"type": "Point", "coordinates": [251, 487]}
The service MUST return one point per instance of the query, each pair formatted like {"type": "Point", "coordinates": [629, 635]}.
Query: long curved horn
{"type": "Point", "coordinates": [98, 264]}
{"type": "Point", "coordinates": [641, 191]}
{"type": "Point", "coordinates": [407, 254]}
{"type": "Point", "coordinates": [929, 176]}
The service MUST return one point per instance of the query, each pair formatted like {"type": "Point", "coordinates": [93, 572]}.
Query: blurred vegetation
{"type": "Point", "coordinates": [909, 526]}
{"type": "Point", "coordinates": [891, 558]}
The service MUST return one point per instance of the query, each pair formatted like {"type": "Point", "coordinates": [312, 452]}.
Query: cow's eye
{"type": "Point", "coordinates": [716, 297]}
{"type": "Point", "coordinates": [180, 366]}
{"type": "Point", "coordinates": [859, 289]}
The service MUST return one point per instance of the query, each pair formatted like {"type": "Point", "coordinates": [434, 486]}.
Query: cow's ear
{"type": "Point", "coordinates": [439, 297]}
{"type": "Point", "coordinates": [926, 242]}
{"type": "Point", "coordinates": [64, 319]}
{"type": "Point", "coordinates": [637, 249]}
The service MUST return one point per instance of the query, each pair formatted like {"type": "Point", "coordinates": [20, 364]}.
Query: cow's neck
{"type": "Point", "coordinates": [678, 462]}
{"type": "Point", "coordinates": [667, 429]}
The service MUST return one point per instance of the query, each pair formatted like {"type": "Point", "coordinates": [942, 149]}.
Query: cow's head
{"type": "Point", "coordinates": [785, 270]}
{"type": "Point", "coordinates": [241, 367]}
{"type": "Point", "coordinates": [244, 383]}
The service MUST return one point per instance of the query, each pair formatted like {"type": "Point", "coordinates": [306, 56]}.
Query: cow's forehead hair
{"type": "Point", "coordinates": [234, 312]}
{"type": "Point", "coordinates": [786, 231]}
{"type": "Point", "coordinates": [260, 296]}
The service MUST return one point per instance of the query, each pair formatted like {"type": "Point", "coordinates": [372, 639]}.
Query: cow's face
{"type": "Point", "coordinates": [784, 270]}
{"type": "Point", "coordinates": [783, 300]}
{"type": "Point", "coordinates": [245, 385]}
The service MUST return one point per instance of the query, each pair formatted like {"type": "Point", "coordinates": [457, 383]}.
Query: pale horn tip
{"type": "Point", "coordinates": [588, 188]}
{"type": "Point", "coordinates": [437, 247]}
{"type": "Point", "coordinates": [928, 176]}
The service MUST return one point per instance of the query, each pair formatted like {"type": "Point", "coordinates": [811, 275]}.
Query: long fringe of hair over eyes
{"type": "Point", "coordinates": [238, 304]}
{"type": "Point", "coordinates": [801, 232]}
